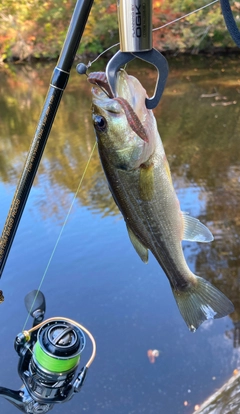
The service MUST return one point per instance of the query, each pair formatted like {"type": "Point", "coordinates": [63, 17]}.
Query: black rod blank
{"type": "Point", "coordinates": [57, 85]}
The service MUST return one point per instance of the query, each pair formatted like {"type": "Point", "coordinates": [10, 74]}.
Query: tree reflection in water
{"type": "Point", "coordinates": [201, 142]}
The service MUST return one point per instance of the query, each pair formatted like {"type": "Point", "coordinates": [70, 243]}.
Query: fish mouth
{"type": "Point", "coordinates": [127, 87]}
{"type": "Point", "coordinates": [100, 79]}
{"type": "Point", "coordinates": [101, 100]}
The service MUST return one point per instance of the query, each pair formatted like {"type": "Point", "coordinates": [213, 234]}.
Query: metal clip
{"type": "Point", "coordinates": [135, 31]}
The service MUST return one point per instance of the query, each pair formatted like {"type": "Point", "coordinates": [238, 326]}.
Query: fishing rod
{"type": "Point", "coordinates": [57, 86]}
{"type": "Point", "coordinates": [135, 28]}
{"type": "Point", "coordinates": [49, 352]}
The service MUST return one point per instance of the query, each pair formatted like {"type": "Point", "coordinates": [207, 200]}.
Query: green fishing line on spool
{"type": "Point", "coordinates": [53, 363]}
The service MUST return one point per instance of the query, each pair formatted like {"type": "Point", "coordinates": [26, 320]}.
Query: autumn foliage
{"type": "Point", "coordinates": [37, 28]}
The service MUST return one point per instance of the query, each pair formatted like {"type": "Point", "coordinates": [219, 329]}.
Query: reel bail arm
{"type": "Point", "coordinates": [135, 32]}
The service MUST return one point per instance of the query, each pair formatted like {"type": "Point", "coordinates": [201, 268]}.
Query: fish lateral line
{"type": "Point", "coordinates": [133, 120]}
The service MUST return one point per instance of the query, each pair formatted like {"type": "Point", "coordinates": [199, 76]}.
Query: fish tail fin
{"type": "Point", "coordinates": [201, 301]}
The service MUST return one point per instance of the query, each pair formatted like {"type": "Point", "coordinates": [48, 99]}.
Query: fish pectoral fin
{"type": "Point", "coordinates": [146, 182]}
{"type": "Point", "coordinates": [201, 301]}
{"type": "Point", "coordinates": [194, 230]}
{"type": "Point", "coordinates": [138, 246]}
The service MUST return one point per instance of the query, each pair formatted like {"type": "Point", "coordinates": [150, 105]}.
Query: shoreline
{"type": "Point", "coordinates": [221, 51]}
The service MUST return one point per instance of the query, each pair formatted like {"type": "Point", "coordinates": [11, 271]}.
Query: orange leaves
{"type": "Point", "coordinates": [112, 8]}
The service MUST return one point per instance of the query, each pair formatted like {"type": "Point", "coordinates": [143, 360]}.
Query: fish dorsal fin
{"type": "Point", "coordinates": [138, 246]}
{"type": "Point", "coordinates": [194, 230]}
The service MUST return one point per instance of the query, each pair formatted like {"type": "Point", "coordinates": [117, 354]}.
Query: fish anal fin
{"type": "Point", "coordinates": [146, 182]}
{"type": "Point", "coordinates": [194, 230]}
{"type": "Point", "coordinates": [138, 246]}
{"type": "Point", "coordinates": [201, 301]}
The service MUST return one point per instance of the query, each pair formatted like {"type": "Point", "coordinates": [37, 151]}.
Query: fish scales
{"type": "Point", "coordinates": [144, 225]}
{"type": "Point", "coordinates": [140, 181]}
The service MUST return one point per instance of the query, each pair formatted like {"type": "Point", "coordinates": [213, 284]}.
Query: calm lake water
{"type": "Point", "coordinates": [95, 276]}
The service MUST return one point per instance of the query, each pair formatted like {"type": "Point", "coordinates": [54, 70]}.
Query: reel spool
{"type": "Point", "coordinates": [56, 356]}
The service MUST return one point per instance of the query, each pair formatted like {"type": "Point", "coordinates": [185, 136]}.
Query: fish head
{"type": "Point", "coordinates": [123, 125]}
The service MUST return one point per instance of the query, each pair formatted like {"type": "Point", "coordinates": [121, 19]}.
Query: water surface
{"type": "Point", "coordinates": [95, 276]}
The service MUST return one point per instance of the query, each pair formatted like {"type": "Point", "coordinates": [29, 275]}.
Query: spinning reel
{"type": "Point", "coordinates": [49, 357]}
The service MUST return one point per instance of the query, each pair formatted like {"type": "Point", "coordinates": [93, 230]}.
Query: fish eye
{"type": "Point", "coordinates": [100, 123]}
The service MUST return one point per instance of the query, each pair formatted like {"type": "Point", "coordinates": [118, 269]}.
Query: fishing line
{"type": "Point", "coordinates": [60, 234]}
{"type": "Point", "coordinates": [73, 323]}
{"type": "Point", "coordinates": [186, 15]}
{"type": "Point", "coordinates": [156, 28]}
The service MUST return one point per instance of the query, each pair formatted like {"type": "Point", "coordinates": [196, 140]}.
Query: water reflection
{"type": "Point", "coordinates": [202, 144]}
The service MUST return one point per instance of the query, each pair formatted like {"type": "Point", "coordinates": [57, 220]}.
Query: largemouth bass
{"type": "Point", "coordinates": [137, 170]}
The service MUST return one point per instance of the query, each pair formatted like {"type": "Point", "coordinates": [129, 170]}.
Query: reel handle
{"type": "Point", "coordinates": [23, 401]}
{"type": "Point", "coordinates": [14, 397]}
{"type": "Point", "coordinates": [36, 305]}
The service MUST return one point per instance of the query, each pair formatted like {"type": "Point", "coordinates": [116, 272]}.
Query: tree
{"type": "Point", "coordinates": [36, 28]}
